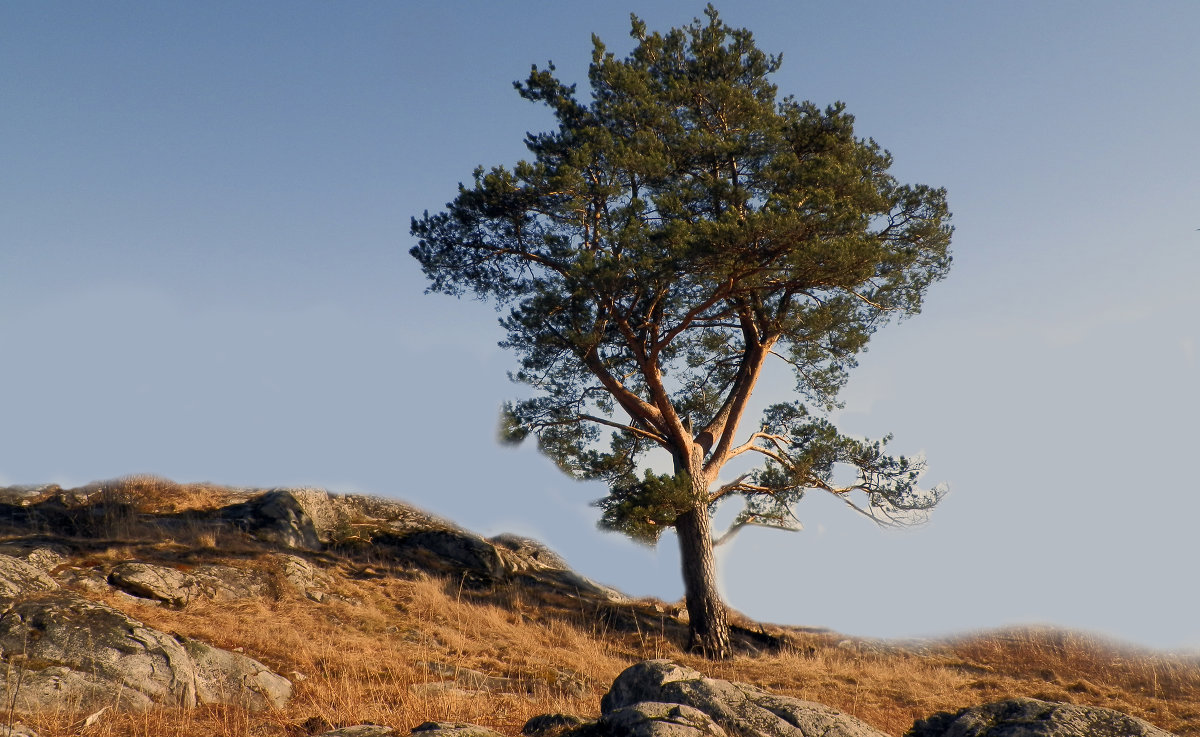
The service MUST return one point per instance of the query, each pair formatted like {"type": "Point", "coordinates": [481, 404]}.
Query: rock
{"type": "Point", "coordinates": [18, 577]}
{"type": "Point", "coordinates": [176, 588]}
{"type": "Point", "coordinates": [68, 650]}
{"type": "Point", "coordinates": [335, 517]}
{"type": "Point", "coordinates": [654, 719]}
{"type": "Point", "coordinates": [40, 555]}
{"type": "Point", "coordinates": [452, 729]}
{"type": "Point", "coordinates": [551, 725]}
{"type": "Point", "coordinates": [556, 681]}
{"type": "Point", "coordinates": [445, 688]}
{"type": "Point", "coordinates": [278, 517]}
{"type": "Point", "coordinates": [384, 515]}
{"type": "Point", "coordinates": [101, 642]}
{"type": "Point", "coordinates": [467, 678]}
{"type": "Point", "coordinates": [91, 579]}
{"type": "Point", "coordinates": [224, 677]}
{"type": "Point", "coordinates": [227, 583]}
{"type": "Point", "coordinates": [362, 730]}
{"type": "Point", "coordinates": [580, 585]}
{"type": "Point", "coordinates": [1023, 717]}
{"type": "Point", "coordinates": [302, 575]}
{"type": "Point", "coordinates": [17, 730]}
{"type": "Point", "coordinates": [320, 506]}
{"type": "Point", "coordinates": [27, 493]}
{"type": "Point", "coordinates": [736, 708]}
{"type": "Point", "coordinates": [31, 689]}
{"type": "Point", "coordinates": [521, 554]}
{"type": "Point", "coordinates": [148, 581]}
{"type": "Point", "coordinates": [453, 550]}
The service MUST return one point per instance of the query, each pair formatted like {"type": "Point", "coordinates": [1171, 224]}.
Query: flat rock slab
{"type": "Point", "coordinates": [1024, 717]}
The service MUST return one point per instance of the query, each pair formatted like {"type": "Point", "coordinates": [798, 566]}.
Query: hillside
{"type": "Point", "coordinates": [378, 613]}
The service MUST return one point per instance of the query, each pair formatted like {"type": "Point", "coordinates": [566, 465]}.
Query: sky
{"type": "Point", "coordinates": [204, 214]}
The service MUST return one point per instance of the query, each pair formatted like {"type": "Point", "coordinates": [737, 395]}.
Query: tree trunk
{"type": "Point", "coordinates": [708, 620]}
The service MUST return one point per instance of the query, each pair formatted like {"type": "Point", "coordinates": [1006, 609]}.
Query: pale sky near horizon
{"type": "Point", "coordinates": [204, 215]}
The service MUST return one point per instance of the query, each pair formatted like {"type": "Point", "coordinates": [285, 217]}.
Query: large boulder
{"type": "Point", "coordinates": [61, 650]}
{"type": "Point", "coordinates": [1023, 717]}
{"type": "Point", "coordinates": [277, 517]}
{"type": "Point", "coordinates": [149, 581]}
{"type": "Point", "coordinates": [451, 551]}
{"type": "Point", "coordinates": [735, 708]}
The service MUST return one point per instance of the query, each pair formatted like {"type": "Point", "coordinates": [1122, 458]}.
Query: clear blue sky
{"type": "Point", "coordinates": [204, 217]}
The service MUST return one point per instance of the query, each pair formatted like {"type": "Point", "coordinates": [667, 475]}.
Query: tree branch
{"type": "Point", "coordinates": [727, 419]}
{"type": "Point", "coordinates": [635, 406]}
{"type": "Point", "coordinates": [749, 444]}
{"type": "Point", "coordinates": [627, 428]}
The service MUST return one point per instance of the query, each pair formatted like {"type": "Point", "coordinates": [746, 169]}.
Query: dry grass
{"type": "Point", "coordinates": [368, 655]}
{"type": "Point", "coordinates": [148, 494]}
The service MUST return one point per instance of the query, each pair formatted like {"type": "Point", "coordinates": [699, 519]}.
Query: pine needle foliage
{"type": "Point", "coordinates": [683, 225]}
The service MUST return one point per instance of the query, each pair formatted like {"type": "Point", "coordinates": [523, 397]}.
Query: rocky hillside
{"type": "Point", "coordinates": [144, 607]}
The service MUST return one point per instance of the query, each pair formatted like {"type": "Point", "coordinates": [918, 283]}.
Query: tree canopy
{"type": "Point", "coordinates": [682, 226]}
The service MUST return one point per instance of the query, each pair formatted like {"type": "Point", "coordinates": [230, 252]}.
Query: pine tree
{"type": "Point", "coordinates": [678, 230]}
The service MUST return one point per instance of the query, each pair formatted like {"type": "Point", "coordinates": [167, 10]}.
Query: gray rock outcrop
{"type": "Point", "coordinates": [301, 574]}
{"type": "Point", "coordinates": [307, 518]}
{"type": "Point", "coordinates": [458, 551]}
{"type": "Point", "coordinates": [155, 582]}
{"type": "Point", "coordinates": [19, 577]}
{"type": "Point", "coordinates": [635, 706]}
{"type": "Point", "coordinates": [1023, 717]}
{"type": "Point", "coordinates": [224, 677]}
{"type": "Point", "coordinates": [276, 517]}
{"type": "Point", "coordinates": [522, 554]}
{"type": "Point", "coordinates": [176, 588]}
{"type": "Point", "coordinates": [65, 651]}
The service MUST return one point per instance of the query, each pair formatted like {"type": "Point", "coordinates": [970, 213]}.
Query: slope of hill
{"type": "Point", "coordinates": [378, 613]}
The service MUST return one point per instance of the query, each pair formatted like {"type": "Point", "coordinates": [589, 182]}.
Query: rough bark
{"type": "Point", "coordinates": [708, 622]}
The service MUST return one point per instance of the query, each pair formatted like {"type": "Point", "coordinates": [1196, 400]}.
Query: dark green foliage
{"type": "Point", "coordinates": [680, 227]}
{"type": "Point", "coordinates": [643, 509]}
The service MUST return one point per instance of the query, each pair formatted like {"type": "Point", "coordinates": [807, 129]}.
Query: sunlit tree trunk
{"type": "Point", "coordinates": [708, 621]}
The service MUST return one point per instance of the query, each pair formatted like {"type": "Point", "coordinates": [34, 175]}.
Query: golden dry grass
{"type": "Point", "coordinates": [368, 655]}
